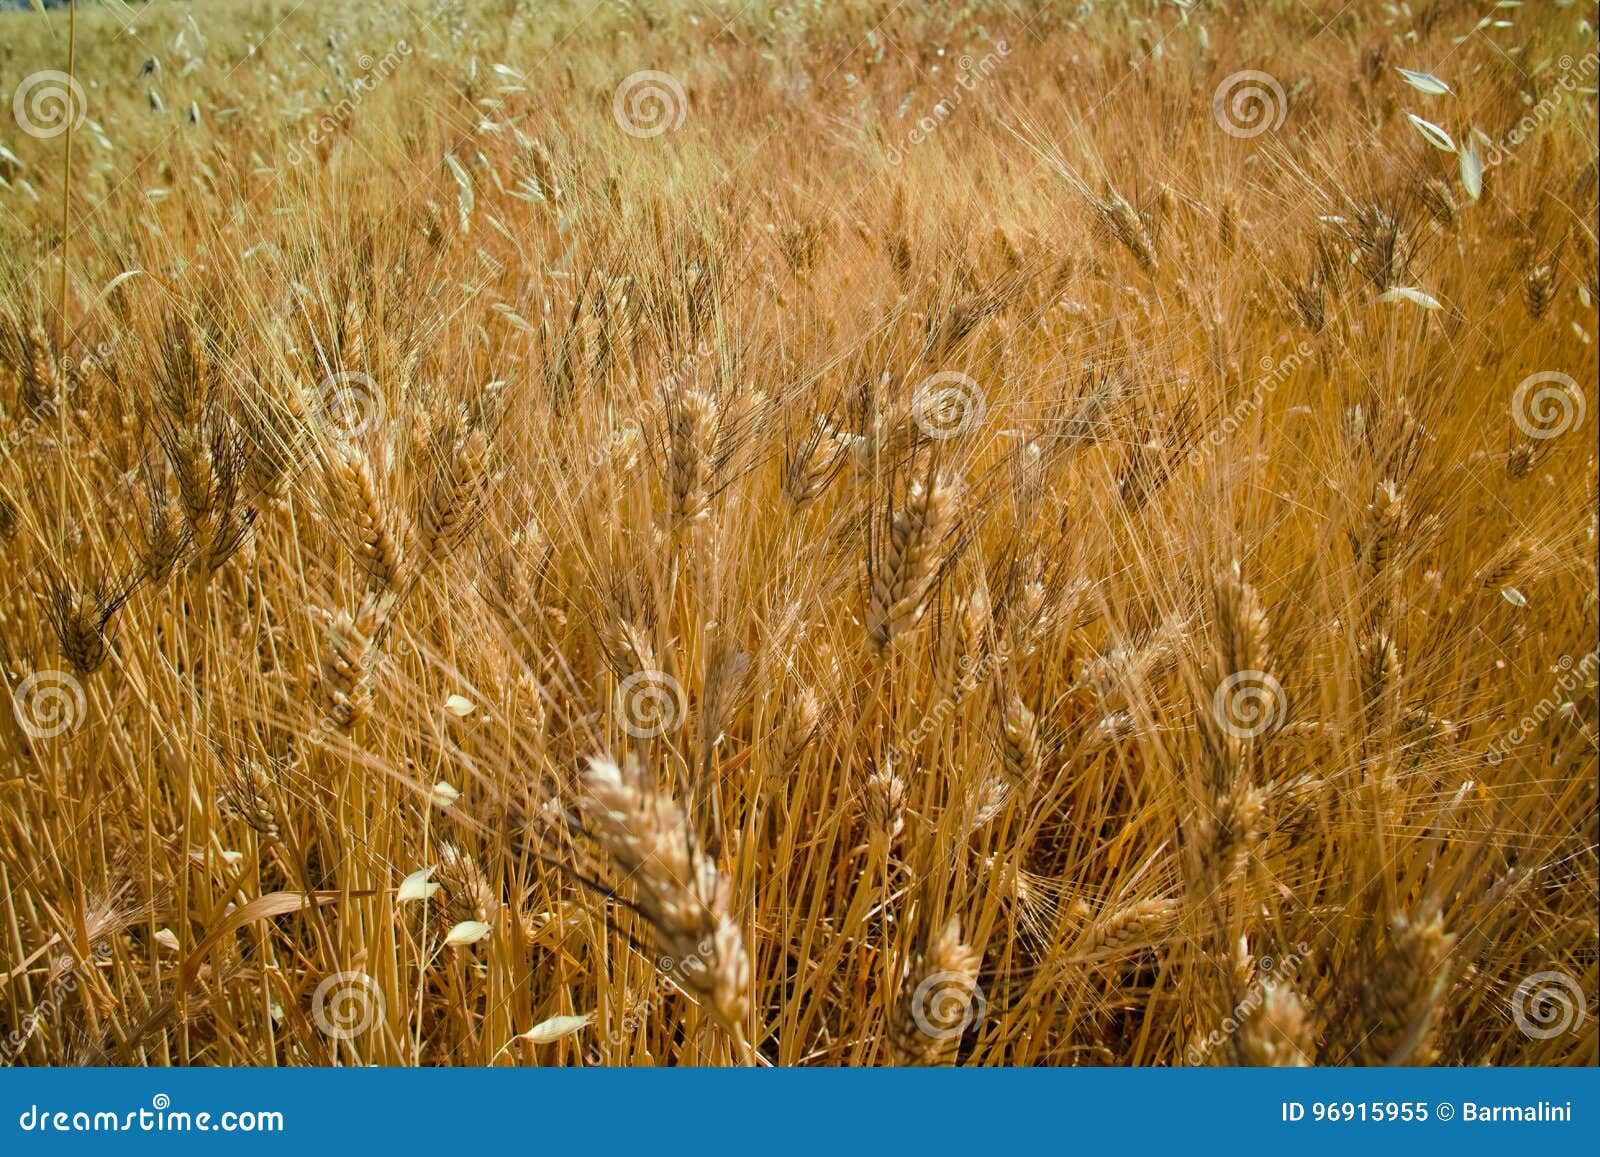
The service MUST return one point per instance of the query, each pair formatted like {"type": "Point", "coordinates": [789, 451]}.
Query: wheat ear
{"type": "Point", "coordinates": [677, 888]}
{"type": "Point", "coordinates": [909, 560]}
{"type": "Point", "coordinates": [936, 1000]}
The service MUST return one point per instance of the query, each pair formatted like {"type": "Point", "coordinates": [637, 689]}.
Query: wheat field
{"type": "Point", "coordinates": [869, 533]}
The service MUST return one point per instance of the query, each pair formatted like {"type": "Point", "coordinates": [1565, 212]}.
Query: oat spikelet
{"type": "Point", "coordinates": [936, 1000]}
{"type": "Point", "coordinates": [677, 887]}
